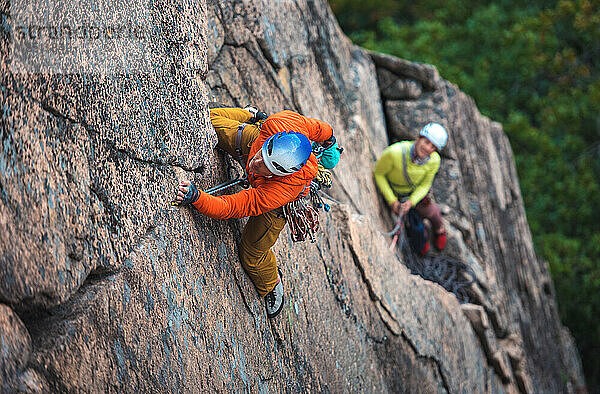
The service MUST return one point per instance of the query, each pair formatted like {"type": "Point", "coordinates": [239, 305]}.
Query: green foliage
{"type": "Point", "coordinates": [534, 66]}
{"type": "Point", "coordinates": [355, 15]}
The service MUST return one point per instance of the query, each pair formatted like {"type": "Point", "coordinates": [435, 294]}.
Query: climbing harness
{"type": "Point", "coordinates": [236, 177]}
{"type": "Point", "coordinates": [302, 213]}
{"type": "Point", "coordinates": [257, 119]}
{"type": "Point", "coordinates": [238, 145]}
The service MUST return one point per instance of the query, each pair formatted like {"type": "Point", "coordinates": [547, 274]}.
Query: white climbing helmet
{"type": "Point", "coordinates": [436, 134]}
{"type": "Point", "coordinates": [286, 152]}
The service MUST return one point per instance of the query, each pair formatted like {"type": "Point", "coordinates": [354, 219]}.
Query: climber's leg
{"type": "Point", "coordinates": [258, 236]}
{"type": "Point", "coordinates": [226, 122]}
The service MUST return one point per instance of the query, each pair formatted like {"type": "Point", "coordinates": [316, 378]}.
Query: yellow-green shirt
{"type": "Point", "coordinates": [389, 176]}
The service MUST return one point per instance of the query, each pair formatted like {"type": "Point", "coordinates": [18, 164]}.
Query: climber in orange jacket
{"type": "Point", "coordinates": [280, 166]}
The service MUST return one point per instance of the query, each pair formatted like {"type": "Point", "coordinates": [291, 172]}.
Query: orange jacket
{"type": "Point", "coordinates": [267, 194]}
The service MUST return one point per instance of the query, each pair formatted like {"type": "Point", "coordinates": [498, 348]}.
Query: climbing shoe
{"type": "Point", "coordinates": [425, 249]}
{"type": "Point", "coordinates": [274, 300]}
{"type": "Point", "coordinates": [257, 116]}
{"type": "Point", "coordinates": [440, 241]}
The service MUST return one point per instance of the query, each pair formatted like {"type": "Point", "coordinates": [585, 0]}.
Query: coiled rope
{"type": "Point", "coordinates": [301, 214]}
{"type": "Point", "coordinates": [302, 219]}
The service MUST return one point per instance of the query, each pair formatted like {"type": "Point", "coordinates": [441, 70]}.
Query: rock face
{"type": "Point", "coordinates": [105, 287]}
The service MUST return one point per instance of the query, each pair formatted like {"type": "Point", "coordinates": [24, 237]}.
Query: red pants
{"type": "Point", "coordinates": [430, 210]}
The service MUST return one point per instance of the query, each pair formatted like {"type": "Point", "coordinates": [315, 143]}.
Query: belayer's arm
{"type": "Point", "coordinates": [384, 165]}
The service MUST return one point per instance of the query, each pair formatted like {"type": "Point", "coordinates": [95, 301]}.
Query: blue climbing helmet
{"type": "Point", "coordinates": [286, 152]}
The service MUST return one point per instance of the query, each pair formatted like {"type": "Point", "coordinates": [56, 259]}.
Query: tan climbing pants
{"type": "Point", "coordinates": [260, 232]}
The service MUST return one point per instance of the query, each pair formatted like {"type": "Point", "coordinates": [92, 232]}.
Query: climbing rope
{"type": "Point", "coordinates": [302, 214]}
{"type": "Point", "coordinates": [454, 276]}
{"type": "Point", "coordinates": [302, 219]}
{"type": "Point", "coordinates": [397, 233]}
{"type": "Point", "coordinates": [323, 178]}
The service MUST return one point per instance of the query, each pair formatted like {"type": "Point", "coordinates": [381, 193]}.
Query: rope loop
{"type": "Point", "coordinates": [302, 213]}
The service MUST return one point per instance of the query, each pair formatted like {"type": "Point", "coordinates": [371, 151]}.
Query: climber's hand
{"type": "Point", "coordinates": [187, 193]}
{"type": "Point", "coordinates": [328, 143]}
{"type": "Point", "coordinates": [405, 206]}
{"type": "Point", "coordinates": [396, 207]}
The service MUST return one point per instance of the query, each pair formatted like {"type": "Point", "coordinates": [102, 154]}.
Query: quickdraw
{"type": "Point", "coordinates": [302, 219]}
{"type": "Point", "coordinates": [322, 180]}
{"type": "Point", "coordinates": [302, 215]}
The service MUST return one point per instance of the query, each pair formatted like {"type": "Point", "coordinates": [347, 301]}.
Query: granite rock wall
{"type": "Point", "coordinates": [106, 287]}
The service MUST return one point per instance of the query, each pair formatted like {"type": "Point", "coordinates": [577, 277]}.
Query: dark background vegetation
{"type": "Point", "coordinates": [533, 66]}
